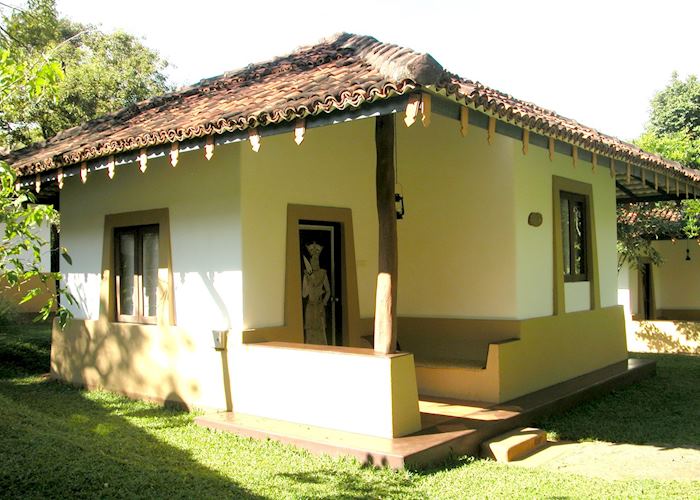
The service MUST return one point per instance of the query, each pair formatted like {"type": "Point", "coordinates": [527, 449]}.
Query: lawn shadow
{"type": "Point", "coordinates": [662, 411]}
{"type": "Point", "coordinates": [61, 442]}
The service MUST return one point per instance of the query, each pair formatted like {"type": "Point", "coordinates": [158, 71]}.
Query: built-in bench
{"type": "Point", "coordinates": [451, 343]}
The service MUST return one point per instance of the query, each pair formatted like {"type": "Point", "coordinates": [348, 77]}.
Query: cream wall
{"type": "Point", "coordinates": [465, 247]}
{"type": "Point", "coordinates": [456, 244]}
{"type": "Point", "coordinates": [203, 198]}
{"type": "Point", "coordinates": [333, 167]}
{"type": "Point", "coordinates": [677, 281]}
{"type": "Point", "coordinates": [349, 389]}
{"type": "Point", "coordinates": [533, 193]}
{"type": "Point", "coordinates": [457, 241]}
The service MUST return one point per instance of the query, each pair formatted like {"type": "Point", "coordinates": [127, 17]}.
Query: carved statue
{"type": "Point", "coordinates": [317, 290]}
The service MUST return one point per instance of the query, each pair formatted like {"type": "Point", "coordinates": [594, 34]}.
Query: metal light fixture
{"type": "Point", "coordinates": [400, 210]}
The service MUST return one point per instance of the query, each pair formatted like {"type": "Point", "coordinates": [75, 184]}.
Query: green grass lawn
{"type": "Point", "coordinates": [57, 441]}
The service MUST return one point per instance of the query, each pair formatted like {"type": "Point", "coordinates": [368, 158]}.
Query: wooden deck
{"type": "Point", "coordinates": [450, 428]}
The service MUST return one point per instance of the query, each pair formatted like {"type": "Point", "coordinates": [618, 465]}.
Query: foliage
{"type": "Point", "coordinates": [638, 225]}
{"type": "Point", "coordinates": [678, 146]}
{"type": "Point", "coordinates": [132, 449]}
{"type": "Point", "coordinates": [21, 248]}
{"type": "Point", "coordinates": [674, 133]}
{"type": "Point", "coordinates": [677, 108]}
{"type": "Point", "coordinates": [103, 72]}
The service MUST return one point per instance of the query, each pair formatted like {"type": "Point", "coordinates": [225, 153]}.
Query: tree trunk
{"type": "Point", "coordinates": [385, 309]}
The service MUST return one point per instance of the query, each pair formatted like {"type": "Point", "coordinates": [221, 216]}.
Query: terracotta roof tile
{"type": "Point", "coordinates": [341, 72]}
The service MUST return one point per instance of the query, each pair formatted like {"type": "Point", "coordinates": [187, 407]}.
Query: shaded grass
{"type": "Point", "coordinates": [58, 441]}
{"type": "Point", "coordinates": [663, 410]}
{"type": "Point", "coordinates": [25, 348]}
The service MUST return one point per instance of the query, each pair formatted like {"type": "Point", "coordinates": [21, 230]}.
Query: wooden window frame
{"type": "Point", "coordinates": [577, 198]}
{"type": "Point", "coordinates": [138, 232]}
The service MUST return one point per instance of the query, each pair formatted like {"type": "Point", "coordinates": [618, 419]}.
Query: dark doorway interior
{"type": "Point", "coordinates": [321, 272]}
{"type": "Point", "coordinates": [647, 290]}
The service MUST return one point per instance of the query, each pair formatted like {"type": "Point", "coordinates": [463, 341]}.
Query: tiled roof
{"type": "Point", "coordinates": [342, 72]}
{"type": "Point", "coordinates": [631, 214]}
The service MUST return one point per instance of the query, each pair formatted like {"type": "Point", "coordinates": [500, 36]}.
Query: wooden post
{"type": "Point", "coordinates": [385, 309]}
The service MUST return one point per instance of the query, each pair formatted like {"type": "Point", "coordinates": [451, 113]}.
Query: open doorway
{"type": "Point", "coordinates": [647, 310]}
{"type": "Point", "coordinates": [321, 281]}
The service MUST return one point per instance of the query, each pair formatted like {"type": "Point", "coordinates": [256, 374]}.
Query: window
{"type": "Point", "coordinates": [136, 264]}
{"type": "Point", "coordinates": [574, 228]}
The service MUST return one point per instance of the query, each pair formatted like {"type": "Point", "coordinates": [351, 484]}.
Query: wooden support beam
{"type": "Point", "coordinates": [574, 154]}
{"type": "Point", "coordinates": [613, 173]}
{"type": "Point", "coordinates": [551, 148]}
{"type": "Point", "coordinates": [174, 153]}
{"type": "Point", "coordinates": [412, 109]}
{"type": "Point", "coordinates": [143, 160]}
{"type": "Point", "coordinates": [628, 192]}
{"type": "Point", "coordinates": [254, 138]}
{"type": "Point", "coordinates": [463, 120]}
{"type": "Point", "coordinates": [59, 177]}
{"type": "Point", "coordinates": [299, 131]}
{"type": "Point", "coordinates": [629, 173]}
{"type": "Point", "coordinates": [110, 167]}
{"type": "Point", "coordinates": [209, 147]}
{"type": "Point", "coordinates": [426, 109]}
{"type": "Point", "coordinates": [83, 172]}
{"type": "Point", "coordinates": [491, 131]}
{"type": "Point", "coordinates": [526, 140]}
{"type": "Point", "coordinates": [594, 161]}
{"type": "Point", "coordinates": [385, 327]}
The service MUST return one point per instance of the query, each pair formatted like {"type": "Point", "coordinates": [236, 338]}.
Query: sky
{"type": "Point", "coordinates": [597, 61]}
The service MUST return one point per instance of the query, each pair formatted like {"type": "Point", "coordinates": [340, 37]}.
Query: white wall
{"type": "Point", "coordinates": [627, 290]}
{"type": "Point", "coordinates": [43, 231]}
{"type": "Point", "coordinates": [535, 247]}
{"type": "Point", "coordinates": [203, 198]}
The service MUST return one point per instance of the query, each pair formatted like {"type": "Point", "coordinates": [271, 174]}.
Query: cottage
{"type": "Point", "coordinates": [661, 292]}
{"type": "Point", "coordinates": [246, 207]}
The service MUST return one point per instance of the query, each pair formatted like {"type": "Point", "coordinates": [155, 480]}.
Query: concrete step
{"type": "Point", "coordinates": [514, 444]}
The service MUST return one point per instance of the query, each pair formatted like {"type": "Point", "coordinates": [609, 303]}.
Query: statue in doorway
{"type": "Point", "coordinates": [317, 290]}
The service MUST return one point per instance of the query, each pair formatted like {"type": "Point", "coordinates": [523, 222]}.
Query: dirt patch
{"type": "Point", "coordinates": [617, 461]}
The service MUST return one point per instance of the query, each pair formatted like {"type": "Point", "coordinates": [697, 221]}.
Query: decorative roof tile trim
{"type": "Point", "coordinates": [547, 122]}
{"type": "Point", "coordinates": [344, 71]}
{"type": "Point", "coordinates": [222, 125]}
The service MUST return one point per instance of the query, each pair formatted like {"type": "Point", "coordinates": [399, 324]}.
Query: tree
{"type": "Point", "coordinates": [677, 108]}
{"type": "Point", "coordinates": [639, 224]}
{"type": "Point", "coordinates": [21, 247]}
{"type": "Point", "coordinates": [673, 132]}
{"type": "Point", "coordinates": [103, 72]}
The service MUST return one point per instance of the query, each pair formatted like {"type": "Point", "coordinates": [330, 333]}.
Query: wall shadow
{"type": "Point", "coordinates": [657, 340]}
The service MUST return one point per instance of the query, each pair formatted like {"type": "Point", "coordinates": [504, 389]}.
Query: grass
{"type": "Point", "coordinates": [57, 441]}
{"type": "Point", "coordinates": [663, 410]}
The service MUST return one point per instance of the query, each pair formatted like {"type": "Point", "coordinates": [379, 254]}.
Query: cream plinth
{"type": "Point", "coordinates": [353, 390]}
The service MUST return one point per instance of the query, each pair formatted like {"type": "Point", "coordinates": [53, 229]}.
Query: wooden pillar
{"type": "Point", "coordinates": [385, 309]}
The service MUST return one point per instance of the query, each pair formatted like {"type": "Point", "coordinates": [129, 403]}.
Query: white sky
{"type": "Point", "coordinates": [596, 61]}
